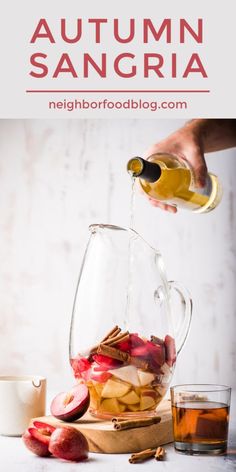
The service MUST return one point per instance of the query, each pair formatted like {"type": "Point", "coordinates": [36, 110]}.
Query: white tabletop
{"type": "Point", "coordinates": [14, 457]}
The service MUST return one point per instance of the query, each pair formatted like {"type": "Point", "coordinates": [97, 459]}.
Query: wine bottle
{"type": "Point", "coordinates": [168, 179]}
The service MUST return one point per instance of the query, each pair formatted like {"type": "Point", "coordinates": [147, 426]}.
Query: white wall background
{"type": "Point", "coordinates": [57, 177]}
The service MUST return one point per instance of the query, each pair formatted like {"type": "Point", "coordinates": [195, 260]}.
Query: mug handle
{"type": "Point", "coordinates": [183, 326]}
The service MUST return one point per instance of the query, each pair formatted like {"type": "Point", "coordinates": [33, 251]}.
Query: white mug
{"type": "Point", "coordinates": [21, 398]}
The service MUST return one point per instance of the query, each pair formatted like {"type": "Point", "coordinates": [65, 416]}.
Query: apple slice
{"type": "Point", "coordinates": [111, 405]}
{"type": "Point", "coordinates": [115, 388]}
{"type": "Point", "coordinates": [100, 376]}
{"type": "Point", "coordinates": [166, 369]}
{"type": "Point", "coordinates": [98, 387]}
{"type": "Point", "coordinates": [170, 350]}
{"type": "Point", "coordinates": [128, 374]}
{"type": "Point", "coordinates": [69, 406]}
{"type": "Point", "coordinates": [124, 345]}
{"type": "Point", "coordinates": [79, 365]}
{"type": "Point", "coordinates": [130, 398]}
{"type": "Point", "coordinates": [105, 362]}
{"type": "Point", "coordinates": [167, 373]}
{"type": "Point", "coordinates": [94, 398]}
{"type": "Point", "coordinates": [134, 407]}
{"type": "Point", "coordinates": [157, 352]}
{"type": "Point", "coordinates": [140, 351]}
{"type": "Point", "coordinates": [136, 341]}
{"type": "Point", "coordinates": [161, 390]}
{"type": "Point", "coordinates": [138, 390]}
{"type": "Point", "coordinates": [148, 399]}
{"type": "Point", "coordinates": [145, 378]}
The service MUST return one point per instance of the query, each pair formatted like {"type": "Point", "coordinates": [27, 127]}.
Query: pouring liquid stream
{"type": "Point", "coordinates": [130, 256]}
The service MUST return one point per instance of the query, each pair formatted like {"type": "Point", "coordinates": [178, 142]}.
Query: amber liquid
{"type": "Point", "coordinates": [200, 426]}
{"type": "Point", "coordinates": [175, 186]}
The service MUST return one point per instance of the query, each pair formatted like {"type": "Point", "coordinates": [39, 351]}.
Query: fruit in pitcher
{"type": "Point", "coordinates": [127, 373]}
{"type": "Point", "coordinates": [99, 375]}
{"type": "Point", "coordinates": [148, 399]}
{"type": "Point", "coordinates": [130, 398]}
{"type": "Point", "coordinates": [115, 388]}
{"type": "Point", "coordinates": [37, 438]}
{"type": "Point", "coordinates": [80, 366]}
{"type": "Point", "coordinates": [69, 444]}
{"type": "Point", "coordinates": [69, 406]}
{"type": "Point", "coordinates": [105, 362]}
{"type": "Point", "coordinates": [145, 378]}
{"type": "Point", "coordinates": [170, 350]}
{"type": "Point", "coordinates": [111, 405]}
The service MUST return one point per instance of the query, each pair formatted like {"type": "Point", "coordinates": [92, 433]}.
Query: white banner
{"type": "Point", "coordinates": [100, 59]}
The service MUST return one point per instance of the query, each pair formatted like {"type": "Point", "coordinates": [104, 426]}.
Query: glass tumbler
{"type": "Point", "coordinates": [200, 416]}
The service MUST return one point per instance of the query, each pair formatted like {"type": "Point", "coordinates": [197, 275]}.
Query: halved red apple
{"type": "Point", "coordinates": [69, 406]}
{"type": "Point", "coordinates": [37, 438]}
{"type": "Point", "coordinates": [69, 444]}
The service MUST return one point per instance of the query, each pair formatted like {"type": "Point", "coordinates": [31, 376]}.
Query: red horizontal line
{"type": "Point", "coordinates": [117, 91]}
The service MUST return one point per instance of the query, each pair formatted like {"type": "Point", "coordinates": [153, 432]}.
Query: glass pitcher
{"type": "Point", "coordinates": [125, 330]}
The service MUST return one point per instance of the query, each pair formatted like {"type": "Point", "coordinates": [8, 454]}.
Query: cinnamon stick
{"type": "Point", "coordinates": [115, 339]}
{"type": "Point", "coordinates": [142, 456]}
{"type": "Point", "coordinates": [113, 353]}
{"type": "Point", "coordinates": [137, 362]}
{"type": "Point", "coordinates": [113, 332]}
{"type": "Point", "coordinates": [135, 423]}
{"type": "Point", "coordinates": [123, 356]}
{"type": "Point", "coordinates": [160, 454]}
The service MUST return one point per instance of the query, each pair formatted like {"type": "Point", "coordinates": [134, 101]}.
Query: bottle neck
{"type": "Point", "coordinates": [149, 171]}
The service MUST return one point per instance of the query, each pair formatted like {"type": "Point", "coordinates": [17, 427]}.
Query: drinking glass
{"type": "Point", "coordinates": [200, 416]}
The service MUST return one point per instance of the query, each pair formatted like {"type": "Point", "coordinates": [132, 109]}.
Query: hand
{"type": "Point", "coordinates": [186, 144]}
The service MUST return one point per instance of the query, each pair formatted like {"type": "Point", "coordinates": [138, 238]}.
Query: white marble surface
{"type": "Point", "coordinates": [57, 177]}
{"type": "Point", "coordinates": [14, 457]}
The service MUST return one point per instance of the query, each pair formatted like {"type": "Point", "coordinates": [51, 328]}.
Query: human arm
{"type": "Point", "coordinates": [191, 142]}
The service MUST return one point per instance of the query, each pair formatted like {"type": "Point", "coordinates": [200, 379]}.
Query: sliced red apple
{"type": "Point", "coordinates": [136, 341]}
{"type": "Point", "coordinates": [69, 406]}
{"type": "Point", "coordinates": [170, 351]}
{"type": "Point", "coordinates": [97, 374]}
{"type": "Point", "coordinates": [106, 362]}
{"type": "Point", "coordinates": [157, 352]}
{"type": "Point", "coordinates": [37, 438]}
{"type": "Point", "coordinates": [140, 351]}
{"type": "Point", "coordinates": [80, 365]}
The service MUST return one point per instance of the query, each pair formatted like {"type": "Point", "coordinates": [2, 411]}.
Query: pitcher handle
{"type": "Point", "coordinates": [187, 306]}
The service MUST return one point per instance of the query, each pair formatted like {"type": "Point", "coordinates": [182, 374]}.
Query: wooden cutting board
{"type": "Point", "coordinates": [102, 437]}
